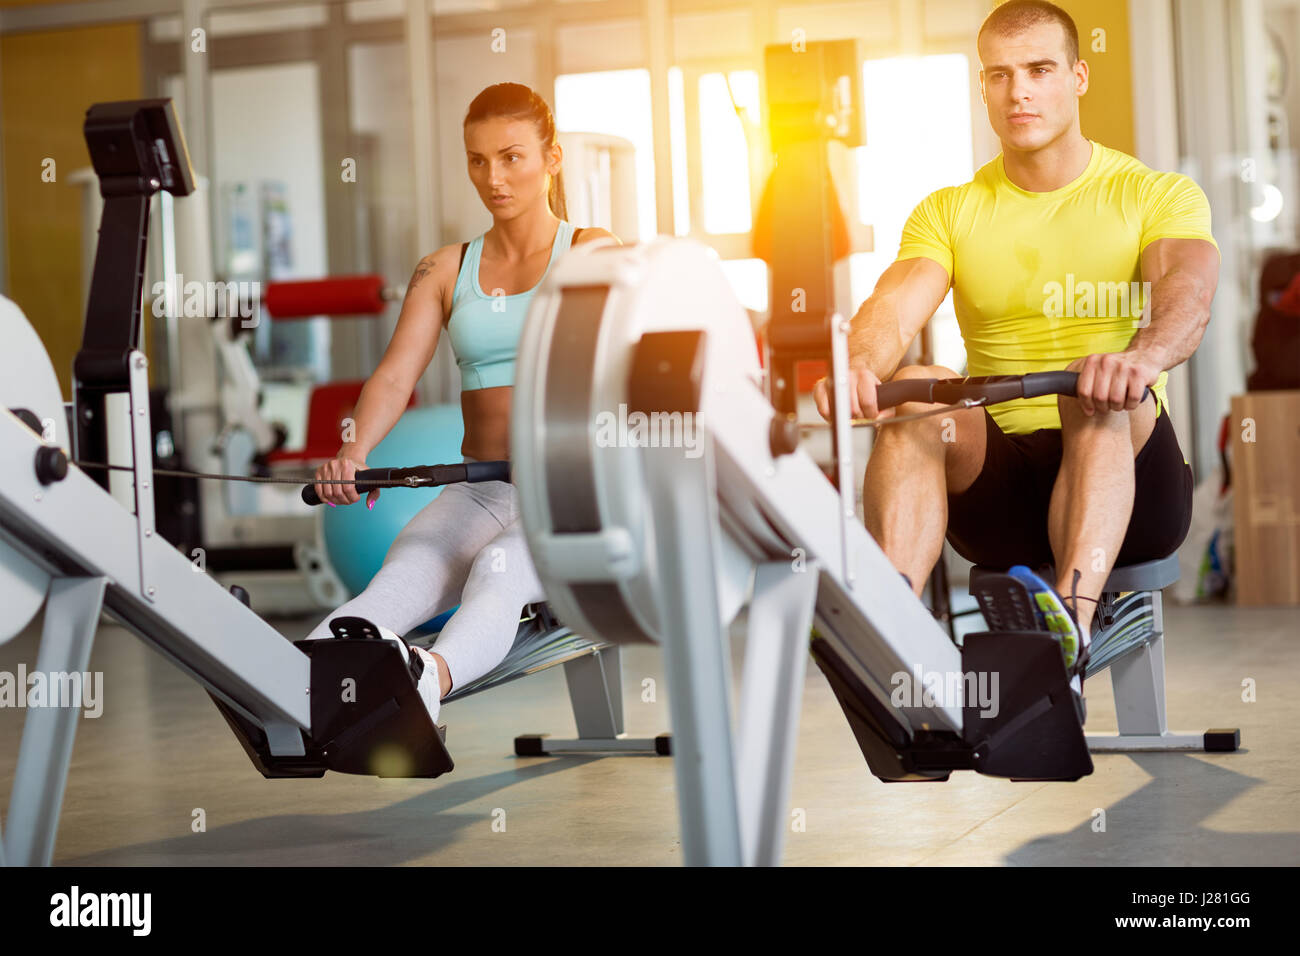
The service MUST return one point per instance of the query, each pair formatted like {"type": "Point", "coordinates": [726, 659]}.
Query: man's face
{"type": "Point", "coordinates": [1030, 87]}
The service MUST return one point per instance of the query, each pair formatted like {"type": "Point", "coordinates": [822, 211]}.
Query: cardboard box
{"type": "Point", "coordinates": [1265, 454]}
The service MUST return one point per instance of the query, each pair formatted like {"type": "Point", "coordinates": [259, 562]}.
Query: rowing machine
{"type": "Point", "coordinates": [661, 494]}
{"type": "Point", "coordinates": [347, 704]}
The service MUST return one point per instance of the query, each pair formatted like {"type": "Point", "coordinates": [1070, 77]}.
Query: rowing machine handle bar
{"type": "Point", "coordinates": [991, 388]}
{"type": "Point", "coordinates": [373, 474]}
{"type": "Point", "coordinates": [426, 476]}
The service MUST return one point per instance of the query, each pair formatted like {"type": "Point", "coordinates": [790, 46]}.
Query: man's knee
{"type": "Point", "coordinates": [911, 408]}
{"type": "Point", "coordinates": [924, 371]}
{"type": "Point", "coordinates": [958, 434]}
{"type": "Point", "coordinates": [1138, 422]}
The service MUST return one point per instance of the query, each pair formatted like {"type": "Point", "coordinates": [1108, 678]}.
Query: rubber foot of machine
{"type": "Point", "coordinates": [530, 745]}
{"type": "Point", "coordinates": [1222, 740]}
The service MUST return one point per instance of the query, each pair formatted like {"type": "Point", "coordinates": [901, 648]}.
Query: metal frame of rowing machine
{"type": "Point", "coordinates": [593, 673]}
{"type": "Point", "coordinates": [67, 544]}
{"type": "Point", "coordinates": [87, 552]}
{"type": "Point", "coordinates": [79, 547]}
{"type": "Point", "coordinates": [642, 543]}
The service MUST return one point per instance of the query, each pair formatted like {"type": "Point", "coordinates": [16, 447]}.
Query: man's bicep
{"type": "Point", "coordinates": [1195, 256]}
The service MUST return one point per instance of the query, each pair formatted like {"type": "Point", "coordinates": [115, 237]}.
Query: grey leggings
{"type": "Point", "coordinates": [465, 547]}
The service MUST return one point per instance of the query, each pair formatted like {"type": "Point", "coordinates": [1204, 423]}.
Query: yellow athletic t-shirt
{"type": "Point", "coordinates": [1042, 279]}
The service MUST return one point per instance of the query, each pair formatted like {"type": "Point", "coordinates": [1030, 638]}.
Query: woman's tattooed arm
{"type": "Point", "coordinates": [422, 269]}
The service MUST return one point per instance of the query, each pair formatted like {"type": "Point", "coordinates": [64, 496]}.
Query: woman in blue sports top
{"type": "Point", "coordinates": [466, 547]}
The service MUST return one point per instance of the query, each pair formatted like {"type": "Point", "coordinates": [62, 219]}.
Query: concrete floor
{"type": "Point", "coordinates": [160, 751]}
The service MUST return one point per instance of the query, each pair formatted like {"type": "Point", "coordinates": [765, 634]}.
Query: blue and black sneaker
{"type": "Point", "coordinates": [1053, 614]}
{"type": "Point", "coordinates": [1020, 600]}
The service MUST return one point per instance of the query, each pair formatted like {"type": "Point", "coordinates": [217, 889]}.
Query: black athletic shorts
{"type": "Point", "coordinates": [1001, 519]}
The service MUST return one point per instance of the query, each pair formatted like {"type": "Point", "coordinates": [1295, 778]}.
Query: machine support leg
{"type": "Point", "coordinates": [776, 657]}
{"type": "Point", "coordinates": [71, 616]}
{"type": "Point", "coordinates": [596, 692]}
{"type": "Point", "coordinates": [1139, 681]}
{"type": "Point", "coordinates": [696, 662]}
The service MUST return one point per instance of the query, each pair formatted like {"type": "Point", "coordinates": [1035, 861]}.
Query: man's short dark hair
{"type": "Point", "coordinates": [1016, 16]}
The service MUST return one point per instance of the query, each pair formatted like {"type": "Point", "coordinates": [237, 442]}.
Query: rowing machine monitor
{"type": "Point", "coordinates": [137, 149]}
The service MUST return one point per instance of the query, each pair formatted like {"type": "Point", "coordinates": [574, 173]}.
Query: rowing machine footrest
{"type": "Point", "coordinates": [366, 716]}
{"type": "Point", "coordinates": [1030, 726]}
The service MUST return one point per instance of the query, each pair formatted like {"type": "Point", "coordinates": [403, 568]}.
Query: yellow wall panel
{"type": "Point", "coordinates": [1106, 110]}
{"type": "Point", "coordinates": [47, 80]}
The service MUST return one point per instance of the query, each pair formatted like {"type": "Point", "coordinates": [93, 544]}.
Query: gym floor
{"type": "Point", "coordinates": [160, 752]}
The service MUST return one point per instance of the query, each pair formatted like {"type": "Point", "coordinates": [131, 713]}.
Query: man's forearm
{"type": "Point", "coordinates": [1179, 313]}
{"type": "Point", "coordinates": [875, 337]}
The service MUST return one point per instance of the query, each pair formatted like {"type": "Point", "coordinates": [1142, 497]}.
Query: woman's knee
{"type": "Point", "coordinates": [494, 561]}
{"type": "Point", "coordinates": [505, 566]}
{"type": "Point", "coordinates": [496, 568]}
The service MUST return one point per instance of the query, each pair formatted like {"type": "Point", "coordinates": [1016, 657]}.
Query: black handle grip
{"type": "Point", "coordinates": [1050, 383]}
{"type": "Point", "coordinates": [423, 476]}
{"type": "Point", "coordinates": [487, 470]}
{"type": "Point", "coordinates": [1059, 383]}
{"type": "Point", "coordinates": [991, 389]}
{"type": "Point", "coordinates": [366, 474]}
{"type": "Point", "coordinates": [905, 390]}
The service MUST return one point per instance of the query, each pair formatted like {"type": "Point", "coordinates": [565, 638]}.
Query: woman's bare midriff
{"type": "Point", "coordinates": [487, 422]}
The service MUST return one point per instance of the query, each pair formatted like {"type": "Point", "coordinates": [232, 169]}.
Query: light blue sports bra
{"type": "Point", "coordinates": [485, 328]}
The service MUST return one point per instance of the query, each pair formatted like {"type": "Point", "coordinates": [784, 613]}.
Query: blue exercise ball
{"type": "Point", "coordinates": [356, 538]}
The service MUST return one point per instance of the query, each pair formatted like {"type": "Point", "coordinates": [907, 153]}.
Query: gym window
{"type": "Point", "coordinates": [905, 160]}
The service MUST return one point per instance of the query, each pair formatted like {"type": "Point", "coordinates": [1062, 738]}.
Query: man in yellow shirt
{"type": "Point", "coordinates": [1061, 254]}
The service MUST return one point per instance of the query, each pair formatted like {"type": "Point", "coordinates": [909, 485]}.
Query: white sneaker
{"type": "Point", "coordinates": [427, 686]}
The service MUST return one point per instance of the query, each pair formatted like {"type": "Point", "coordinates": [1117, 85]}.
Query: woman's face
{"type": "Point", "coordinates": [508, 165]}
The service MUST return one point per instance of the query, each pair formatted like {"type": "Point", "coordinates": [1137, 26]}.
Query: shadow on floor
{"type": "Point", "coordinates": [391, 835]}
{"type": "Point", "coordinates": [1162, 824]}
